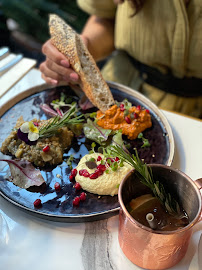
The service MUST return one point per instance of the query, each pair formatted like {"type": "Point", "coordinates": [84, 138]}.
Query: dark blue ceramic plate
{"type": "Point", "coordinates": [58, 206]}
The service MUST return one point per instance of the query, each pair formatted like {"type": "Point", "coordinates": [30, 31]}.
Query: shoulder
{"type": "Point", "coordinates": [104, 8]}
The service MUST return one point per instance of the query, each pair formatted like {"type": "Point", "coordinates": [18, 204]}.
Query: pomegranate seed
{"type": "Point", "coordinates": [128, 120]}
{"type": "Point", "coordinates": [46, 148]}
{"type": "Point", "coordinates": [77, 186]}
{"type": "Point", "coordinates": [57, 186]}
{"type": "Point", "coordinates": [138, 107]}
{"type": "Point", "coordinates": [36, 124]}
{"type": "Point", "coordinates": [86, 174]}
{"type": "Point", "coordinates": [98, 172]}
{"type": "Point", "coordinates": [76, 201]}
{"type": "Point", "coordinates": [82, 172]}
{"type": "Point", "coordinates": [116, 159]}
{"type": "Point", "coordinates": [71, 177]}
{"type": "Point", "coordinates": [122, 109]}
{"type": "Point", "coordinates": [74, 172]}
{"type": "Point", "coordinates": [112, 160]}
{"type": "Point", "coordinates": [93, 175]}
{"type": "Point", "coordinates": [37, 203]}
{"type": "Point", "coordinates": [135, 115]}
{"type": "Point", "coordinates": [121, 105]}
{"type": "Point", "coordinates": [82, 196]}
{"type": "Point", "coordinates": [147, 111]}
{"type": "Point", "coordinates": [101, 167]}
{"type": "Point", "coordinates": [99, 158]}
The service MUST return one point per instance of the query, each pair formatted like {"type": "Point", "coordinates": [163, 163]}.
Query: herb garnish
{"type": "Point", "coordinates": [146, 177]}
{"type": "Point", "coordinates": [70, 160]}
{"type": "Point", "coordinates": [69, 118]}
{"type": "Point", "coordinates": [144, 140]}
{"type": "Point", "coordinates": [63, 101]}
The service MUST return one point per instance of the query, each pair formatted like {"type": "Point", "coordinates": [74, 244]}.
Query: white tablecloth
{"type": "Point", "coordinates": [31, 243]}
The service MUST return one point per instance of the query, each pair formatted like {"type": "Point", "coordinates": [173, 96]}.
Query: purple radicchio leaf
{"type": "Point", "coordinates": [25, 175]}
{"type": "Point", "coordinates": [47, 109]}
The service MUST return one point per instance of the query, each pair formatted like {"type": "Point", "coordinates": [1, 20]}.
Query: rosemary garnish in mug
{"type": "Point", "coordinates": [69, 118]}
{"type": "Point", "coordinates": [146, 177]}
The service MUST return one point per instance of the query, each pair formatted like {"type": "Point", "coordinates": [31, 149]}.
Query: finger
{"type": "Point", "coordinates": [49, 73]}
{"type": "Point", "coordinates": [66, 73]}
{"type": "Point", "coordinates": [52, 53]}
{"type": "Point", "coordinates": [49, 80]}
{"type": "Point", "coordinates": [65, 63]}
{"type": "Point", "coordinates": [63, 71]}
{"type": "Point", "coordinates": [72, 77]}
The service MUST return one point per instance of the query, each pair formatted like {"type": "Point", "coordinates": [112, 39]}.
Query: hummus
{"type": "Point", "coordinates": [105, 184]}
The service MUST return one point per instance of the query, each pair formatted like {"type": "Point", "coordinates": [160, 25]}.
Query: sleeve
{"type": "Point", "coordinates": [101, 8]}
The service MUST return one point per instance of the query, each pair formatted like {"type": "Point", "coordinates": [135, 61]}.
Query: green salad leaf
{"type": "Point", "coordinates": [96, 133]}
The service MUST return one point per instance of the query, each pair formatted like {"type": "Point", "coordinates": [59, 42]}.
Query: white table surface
{"type": "Point", "coordinates": [29, 243]}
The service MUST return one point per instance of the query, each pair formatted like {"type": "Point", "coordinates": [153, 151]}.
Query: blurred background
{"type": "Point", "coordinates": [24, 23]}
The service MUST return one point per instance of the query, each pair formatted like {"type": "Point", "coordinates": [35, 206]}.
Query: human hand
{"type": "Point", "coordinates": [56, 67]}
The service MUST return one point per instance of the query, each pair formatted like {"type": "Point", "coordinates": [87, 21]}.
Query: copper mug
{"type": "Point", "coordinates": [149, 248]}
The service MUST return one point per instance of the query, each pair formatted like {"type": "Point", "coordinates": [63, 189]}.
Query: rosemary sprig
{"type": "Point", "coordinates": [146, 177]}
{"type": "Point", "coordinates": [69, 118]}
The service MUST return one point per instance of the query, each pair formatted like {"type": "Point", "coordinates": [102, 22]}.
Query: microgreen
{"type": "Point", "coordinates": [93, 115]}
{"type": "Point", "coordinates": [109, 162]}
{"type": "Point", "coordinates": [93, 145]}
{"type": "Point", "coordinates": [121, 163]}
{"type": "Point", "coordinates": [126, 112]}
{"type": "Point", "coordinates": [92, 159]}
{"type": "Point", "coordinates": [114, 166]}
{"type": "Point", "coordinates": [128, 145]}
{"type": "Point", "coordinates": [70, 160]}
{"type": "Point", "coordinates": [144, 140]}
{"type": "Point", "coordinates": [127, 104]}
{"type": "Point", "coordinates": [62, 102]}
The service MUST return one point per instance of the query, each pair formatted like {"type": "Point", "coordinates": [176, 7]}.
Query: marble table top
{"type": "Point", "coordinates": [28, 242]}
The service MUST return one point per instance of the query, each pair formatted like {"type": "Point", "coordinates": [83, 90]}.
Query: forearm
{"type": "Point", "coordinates": [99, 33]}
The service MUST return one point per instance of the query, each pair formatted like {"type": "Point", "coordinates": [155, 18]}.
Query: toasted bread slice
{"type": "Point", "coordinates": [68, 42]}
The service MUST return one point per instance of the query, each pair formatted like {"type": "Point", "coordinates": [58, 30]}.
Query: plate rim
{"type": "Point", "coordinates": [103, 214]}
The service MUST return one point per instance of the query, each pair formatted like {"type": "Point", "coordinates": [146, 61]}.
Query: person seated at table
{"type": "Point", "coordinates": [155, 47]}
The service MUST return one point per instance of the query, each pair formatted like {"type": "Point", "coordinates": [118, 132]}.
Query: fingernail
{"type": "Point", "coordinates": [65, 63]}
{"type": "Point", "coordinates": [74, 77]}
{"type": "Point", "coordinates": [54, 82]}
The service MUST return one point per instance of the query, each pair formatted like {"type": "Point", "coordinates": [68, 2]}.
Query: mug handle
{"type": "Point", "coordinates": [198, 183]}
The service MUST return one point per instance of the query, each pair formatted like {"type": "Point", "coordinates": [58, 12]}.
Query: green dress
{"type": "Point", "coordinates": [165, 35]}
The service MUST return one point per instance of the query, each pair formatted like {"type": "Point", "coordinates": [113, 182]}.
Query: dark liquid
{"type": "Point", "coordinates": [162, 219]}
